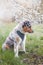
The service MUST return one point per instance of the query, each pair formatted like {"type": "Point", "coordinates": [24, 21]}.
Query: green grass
{"type": "Point", "coordinates": [34, 44]}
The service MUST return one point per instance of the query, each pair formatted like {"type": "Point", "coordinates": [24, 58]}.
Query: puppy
{"type": "Point", "coordinates": [17, 37]}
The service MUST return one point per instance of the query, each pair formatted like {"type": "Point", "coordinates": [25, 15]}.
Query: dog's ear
{"type": "Point", "coordinates": [24, 24]}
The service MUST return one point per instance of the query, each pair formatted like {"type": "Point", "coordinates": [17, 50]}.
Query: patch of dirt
{"type": "Point", "coordinates": [33, 59]}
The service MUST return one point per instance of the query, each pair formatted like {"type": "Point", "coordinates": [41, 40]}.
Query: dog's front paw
{"type": "Point", "coordinates": [24, 51]}
{"type": "Point", "coordinates": [16, 56]}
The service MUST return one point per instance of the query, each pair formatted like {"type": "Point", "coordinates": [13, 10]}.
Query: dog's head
{"type": "Point", "coordinates": [27, 27]}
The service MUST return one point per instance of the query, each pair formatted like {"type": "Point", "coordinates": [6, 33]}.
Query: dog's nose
{"type": "Point", "coordinates": [32, 31]}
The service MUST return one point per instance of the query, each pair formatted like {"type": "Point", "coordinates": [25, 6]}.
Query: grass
{"type": "Point", "coordinates": [34, 45]}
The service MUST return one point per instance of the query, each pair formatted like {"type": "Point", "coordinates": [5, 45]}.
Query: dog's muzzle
{"type": "Point", "coordinates": [31, 31]}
